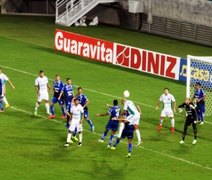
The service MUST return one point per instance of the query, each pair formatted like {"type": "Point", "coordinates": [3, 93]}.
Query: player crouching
{"type": "Point", "coordinates": [75, 122]}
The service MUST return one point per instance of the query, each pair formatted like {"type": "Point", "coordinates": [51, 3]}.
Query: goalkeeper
{"type": "Point", "coordinates": [191, 118]}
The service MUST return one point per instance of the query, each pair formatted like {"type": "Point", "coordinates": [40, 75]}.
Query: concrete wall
{"type": "Point", "coordinates": [193, 11]}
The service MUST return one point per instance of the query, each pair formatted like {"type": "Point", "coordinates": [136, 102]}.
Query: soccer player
{"type": "Point", "coordinates": [84, 102]}
{"type": "Point", "coordinates": [199, 97]}
{"type": "Point", "coordinates": [191, 118]}
{"type": "Point", "coordinates": [168, 110]}
{"type": "Point", "coordinates": [57, 89]}
{"type": "Point", "coordinates": [68, 93]}
{"type": "Point", "coordinates": [1, 96]}
{"type": "Point", "coordinates": [41, 88]}
{"type": "Point", "coordinates": [132, 114]}
{"type": "Point", "coordinates": [76, 120]}
{"type": "Point", "coordinates": [112, 125]}
{"type": "Point", "coordinates": [5, 79]}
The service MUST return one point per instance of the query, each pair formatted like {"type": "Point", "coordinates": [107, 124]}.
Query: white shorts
{"type": "Point", "coordinates": [167, 113]}
{"type": "Point", "coordinates": [134, 119]}
{"type": "Point", "coordinates": [43, 96]}
{"type": "Point", "coordinates": [75, 124]}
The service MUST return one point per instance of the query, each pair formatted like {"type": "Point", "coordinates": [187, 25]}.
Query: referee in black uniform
{"type": "Point", "coordinates": [191, 118]}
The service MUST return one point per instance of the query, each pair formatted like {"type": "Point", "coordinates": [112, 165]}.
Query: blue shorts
{"type": "Point", "coordinates": [112, 125]}
{"type": "Point", "coordinates": [128, 131]}
{"type": "Point", "coordinates": [86, 114]}
{"type": "Point", "coordinates": [55, 100]}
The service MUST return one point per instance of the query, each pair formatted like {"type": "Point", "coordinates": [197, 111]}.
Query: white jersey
{"type": "Point", "coordinates": [42, 82]}
{"type": "Point", "coordinates": [167, 100]}
{"type": "Point", "coordinates": [77, 112]}
{"type": "Point", "coordinates": [4, 78]}
{"type": "Point", "coordinates": [131, 108]}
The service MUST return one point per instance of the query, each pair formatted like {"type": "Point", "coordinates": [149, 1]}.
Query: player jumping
{"type": "Point", "coordinates": [57, 89]}
{"type": "Point", "coordinates": [133, 114]}
{"type": "Point", "coordinates": [191, 118]}
{"type": "Point", "coordinates": [112, 125]}
{"type": "Point", "coordinates": [168, 100]}
{"type": "Point", "coordinates": [41, 87]}
{"type": "Point", "coordinates": [84, 102]}
{"type": "Point", "coordinates": [199, 97]}
{"type": "Point", "coordinates": [75, 122]}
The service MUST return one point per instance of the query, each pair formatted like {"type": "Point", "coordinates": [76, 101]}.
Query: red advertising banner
{"type": "Point", "coordinates": [118, 54]}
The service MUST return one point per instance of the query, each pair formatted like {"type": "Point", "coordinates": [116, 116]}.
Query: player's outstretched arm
{"type": "Point", "coordinates": [103, 114]}
{"type": "Point", "coordinates": [175, 105]}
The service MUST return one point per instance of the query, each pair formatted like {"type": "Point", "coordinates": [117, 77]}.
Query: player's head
{"type": "Point", "coordinates": [123, 101]}
{"type": "Point", "coordinates": [76, 101]}
{"type": "Point", "coordinates": [197, 86]}
{"type": "Point", "coordinates": [68, 81]}
{"type": "Point", "coordinates": [187, 100]}
{"type": "Point", "coordinates": [166, 91]}
{"type": "Point", "coordinates": [79, 90]}
{"type": "Point", "coordinates": [57, 77]}
{"type": "Point", "coordinates": [41, 73]}
{"type": "Point", "coordinates": [115, 102]}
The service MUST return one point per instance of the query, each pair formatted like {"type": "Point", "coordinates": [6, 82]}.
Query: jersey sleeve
{"type": "Point", "coordinates": [36, 82]}
{"type": "Point", "coordinates": [81, 110]}
{"type": "Point", "coordinates": [173, 99]}
{"type": "Point", "coordinates": [161, 98]}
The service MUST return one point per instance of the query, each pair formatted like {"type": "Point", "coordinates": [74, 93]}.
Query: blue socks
{"type": "Point", "coordinates": [129, 147]}
{"type": "Point", "coordinates": [104, 135]}
{"type": "Point", "coordinates": [90, 123]}
{"type": "Point", "coordinates": [52, 110]}
{"type": "Point", "coordinates": [63, 110]}
{"type": "Point", "coordinates": [117, 142]}
{"type": "Point", "coordinates": [111, 139]}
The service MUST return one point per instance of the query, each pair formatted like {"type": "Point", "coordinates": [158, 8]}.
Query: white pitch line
{"type": "Point", "coordinates": [147, 149]}
{"type": "Point", "coordinates": [91, 90]}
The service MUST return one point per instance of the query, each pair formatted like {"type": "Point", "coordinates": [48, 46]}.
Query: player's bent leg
{"type": "Point", "coordinates": [195, 132]}
{"type": "Point", "coordinates": [159, 127]}
{"type": "Point", "coordinates": [37, 104]}
{"type": "Point", "coordinates": [130, 146]}
{"type": "Point", "coordinates": [47, 107]}
{"type": "Point", "coordinates": [111, 138]}
{"type": "Point", "coordinates": [104, 135]}
{"type": "Point", "coordinates": [80, 139]}
{"type": "Point", "coordinates": [68, 139]}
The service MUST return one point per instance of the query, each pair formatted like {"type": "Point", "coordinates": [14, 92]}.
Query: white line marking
{"type": "Point", "coordinates": [91, 90]}
{"type": "Point", "coordinates": [147, 149]}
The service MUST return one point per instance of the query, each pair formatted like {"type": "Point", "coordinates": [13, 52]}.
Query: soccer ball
{"type": "Point", "coordinates": [126, 94]}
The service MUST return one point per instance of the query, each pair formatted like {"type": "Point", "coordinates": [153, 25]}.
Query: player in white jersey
{"type": "Point", "coordinates": [5, 79]}
{"type": "Point", "coordinates": [41, 87]}
{"type": "Point", "coordinates": [75, 122]}
{"type": "Point", "coordinates": [132, 114]}
{"type": "Point", "coordinates": [169, 107]}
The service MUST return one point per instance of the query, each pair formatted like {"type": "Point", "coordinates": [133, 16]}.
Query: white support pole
{"type": "Point", "coordinates": [188, 74]}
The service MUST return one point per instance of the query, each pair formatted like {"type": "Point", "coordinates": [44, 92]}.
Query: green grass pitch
{"type": "Point", "coordinates": [32, 148]}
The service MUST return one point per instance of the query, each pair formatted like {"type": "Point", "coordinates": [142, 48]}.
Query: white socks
{"type": "Point", "coordinates": [69, 137]}
{"type": "Point", "coordinates": [36, 106]}
{"type": "Point", "coordinates": [80, 137]}
{"type": "Point", "coordinates": [5, 100]}
{"type": "Point", "coordinates": [121, 128]}
{"type": "Point", "coordinates": [161, 121]}
{"type": "Point", "coordinates": [138, 134]}
{"type": "Point", "coordinates": [172, 122]}
{"type": "Point", "coordinates": [47, 108]}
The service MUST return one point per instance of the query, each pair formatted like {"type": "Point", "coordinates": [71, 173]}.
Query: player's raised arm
{"type": "Point", "coordinates": [103, 114]}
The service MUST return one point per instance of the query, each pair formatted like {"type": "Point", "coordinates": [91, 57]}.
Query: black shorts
{"type": "Point", "coordinates": [190, 120]}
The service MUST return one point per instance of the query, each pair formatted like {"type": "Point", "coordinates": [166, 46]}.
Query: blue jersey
{"type": "Point", "coordinates": [199, 94]}
{"type": "Point", "coordinates": [1, 88]}
{"type": "Point", "coordinates": [68, 91]}
{"type": "Point", "coordinates": [57, 86]}
{"type": "Point", "coordinates": [114, 112]}
{"type": "Point", "coordinates": [82, 99]}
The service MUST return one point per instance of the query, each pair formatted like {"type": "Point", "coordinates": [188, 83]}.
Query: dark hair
{"type": "Point", "coordinates": [41, 71]}
{"type": "Point", "coordinates": [198, 83]}
{"type": "Point", "coordinates": [56, 75]}
{"type": "Point", "coordinates": [67, 79]}
{"type": "Point", "coordinates": [166, 89]}
{"type": "Point", "coordinates": [115, 102]}
{"type": "Point", "coordinates": [79, 88]}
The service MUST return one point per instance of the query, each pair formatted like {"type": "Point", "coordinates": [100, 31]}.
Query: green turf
{"type": "Point", "coordinates": [32, 148]}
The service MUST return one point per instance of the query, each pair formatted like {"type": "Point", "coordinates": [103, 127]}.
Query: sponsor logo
{"type": "Point", "coordinates": [147, 61]}
{"type": "Point", "coordinates": [84, 46]}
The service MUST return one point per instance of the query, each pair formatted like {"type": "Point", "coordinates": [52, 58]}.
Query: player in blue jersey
{"type": "Point", "coordinates": [57, 88]}
{"type": "Point", "coordinates": [199, 98]}
{"type": "Point", "coordinates": [68, 93]}
{"type": "Point", "coordinates": [112, 125]}
{"type": "Point", "coordinates": [84, 102]}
